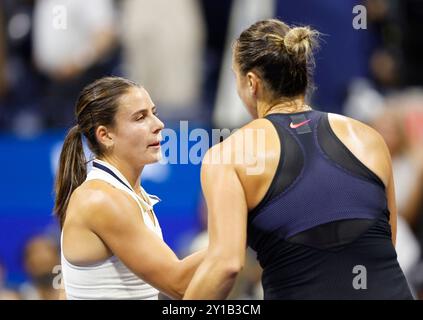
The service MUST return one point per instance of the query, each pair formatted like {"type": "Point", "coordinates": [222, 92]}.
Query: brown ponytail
{"type": "Point", "coordinates": [72, 171]}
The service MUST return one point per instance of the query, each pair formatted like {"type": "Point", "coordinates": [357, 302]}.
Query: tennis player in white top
{"type": "Point", "coordinates": [112, 246]}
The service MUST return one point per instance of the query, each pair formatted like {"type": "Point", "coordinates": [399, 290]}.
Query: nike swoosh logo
{"type": "Point", "coordinates": [297, 125]}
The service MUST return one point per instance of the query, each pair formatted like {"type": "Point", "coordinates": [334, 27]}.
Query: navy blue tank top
{"type": "Point", "coordinates": [322, 230]}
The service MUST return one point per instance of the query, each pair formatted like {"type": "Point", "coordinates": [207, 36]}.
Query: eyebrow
{"type": "Point", "coordinates": [142, 111]}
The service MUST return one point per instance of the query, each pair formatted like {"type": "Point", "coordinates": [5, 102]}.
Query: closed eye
{"type": "Point", "coordinates": [140, 115]}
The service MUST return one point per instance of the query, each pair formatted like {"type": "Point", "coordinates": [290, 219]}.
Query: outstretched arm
{"type": "Point", "coordinates": [117, 221]}
{"type": "Point", "coordinates": [227, 224]}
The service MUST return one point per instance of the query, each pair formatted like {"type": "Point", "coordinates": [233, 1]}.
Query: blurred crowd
{"type": "Point", "coordinates": [41, 260]}
{"type": "Point", "coordinates": [50, 49]}
{"type": "Point", "coordinates": [180, 52]}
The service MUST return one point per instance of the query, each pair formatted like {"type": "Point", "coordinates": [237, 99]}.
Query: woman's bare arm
{"type": "Point", "coordinates": [227, 224]}
{"type": "Point", "coordinates": [116, 219]}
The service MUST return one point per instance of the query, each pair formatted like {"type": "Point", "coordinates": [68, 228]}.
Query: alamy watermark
{"type": "Point", "coordinates": [60, 17]}
{"type": "Point", "coordinates": [360, 18]}
{"type": "Point", "coordinates": [246, 147]}
{"type": "Point", "coordinates": [360, 280]}
{"type": "Point", "coordinates": [58, 279]}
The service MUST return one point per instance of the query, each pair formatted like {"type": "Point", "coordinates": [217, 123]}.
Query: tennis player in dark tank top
{"type": "Point", "coordinates": [320, 212]}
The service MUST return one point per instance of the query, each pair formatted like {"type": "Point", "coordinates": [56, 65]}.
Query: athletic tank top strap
{"type": "Point", "coordinates": [102, 170]}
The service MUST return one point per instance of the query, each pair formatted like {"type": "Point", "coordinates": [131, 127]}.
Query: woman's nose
{"type": "Point", "coordinates": [158, 125]}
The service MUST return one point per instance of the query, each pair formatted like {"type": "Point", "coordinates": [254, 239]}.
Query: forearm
{"type": "Point", "coordinates": [213, 280]}
{"type": "Point", "coordinates": [186, 270]}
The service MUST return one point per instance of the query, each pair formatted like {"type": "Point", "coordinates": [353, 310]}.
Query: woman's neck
{"type": "Point", "coordinates": [285, 105]}
{"type": "Point", "coordinates": [133, 175]}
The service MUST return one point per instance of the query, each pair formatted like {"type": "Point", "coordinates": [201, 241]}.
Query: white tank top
{"type": "Point", "coordinates": [110, 279]}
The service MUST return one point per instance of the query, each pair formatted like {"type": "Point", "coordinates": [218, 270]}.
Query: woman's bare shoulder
{"type": "Point", "coordinates": [96, 197]}
{"type": "Point", "coordinates": [364, 142]}
{"type": "Point", "coordinates": [93, 192]}
{"type": "Point", "coordinates": [352, 125]}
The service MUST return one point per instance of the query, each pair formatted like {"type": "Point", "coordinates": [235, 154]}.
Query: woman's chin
{"type": "Point", "coordinates": [155, 157]}
{"type": "Point", "coordinates": [150, 158]}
